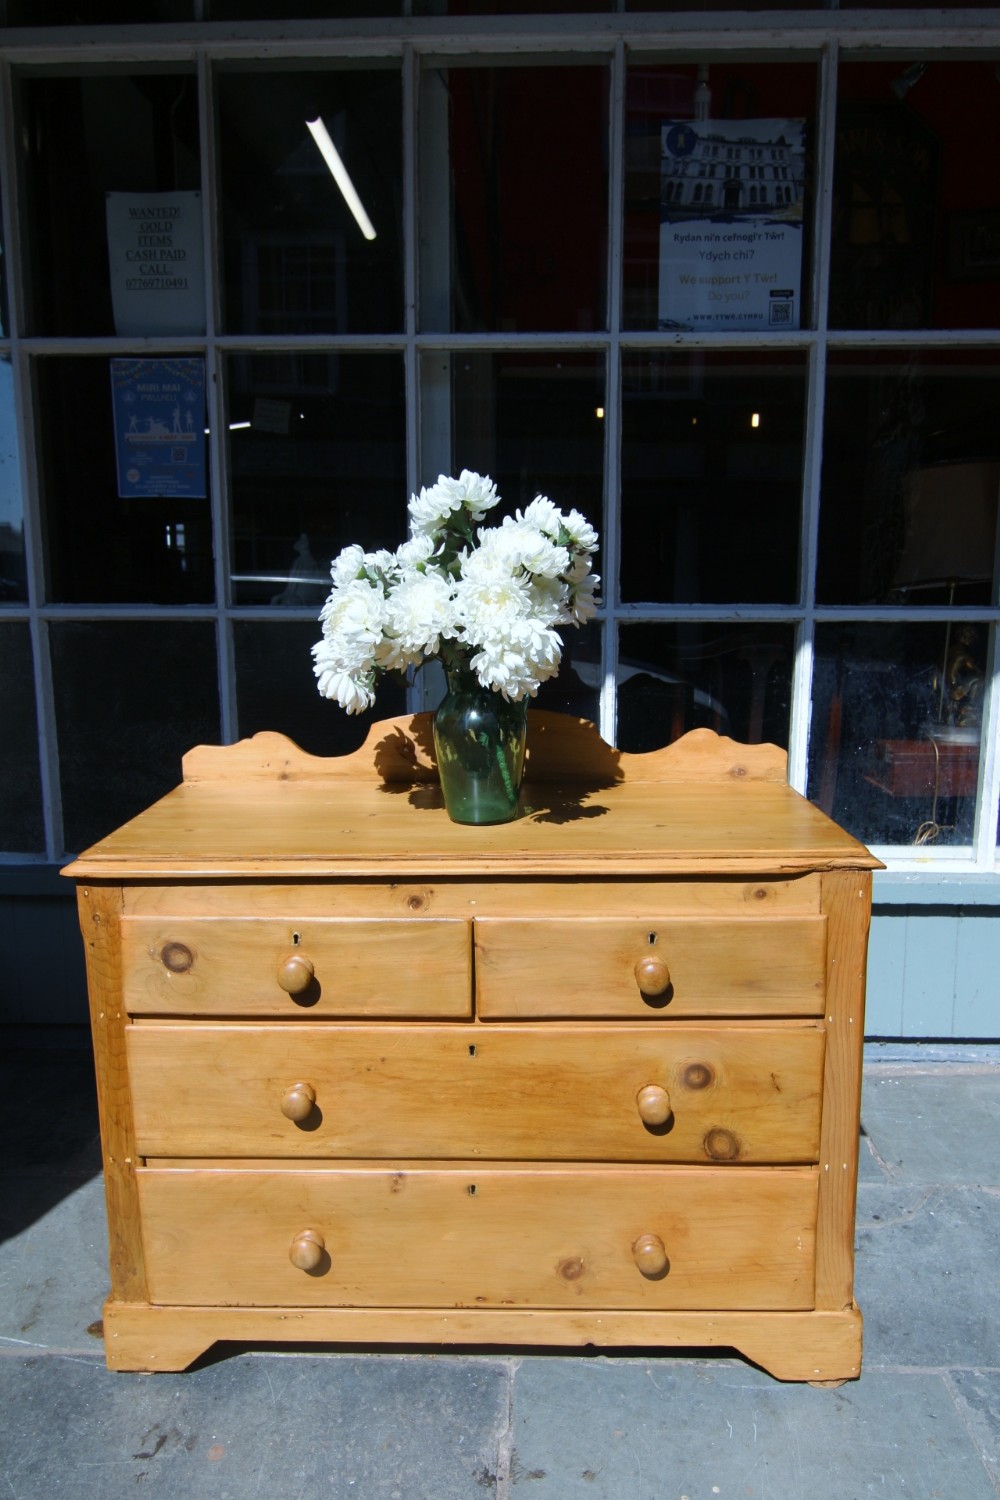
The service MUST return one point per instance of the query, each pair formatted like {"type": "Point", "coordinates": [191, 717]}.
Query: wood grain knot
{"type": "Point", "coordinates": [722, 1145]}
{"type": "Point", "coordinates": [698, 1076]}
{"type": "Point", "coordinates": [177, 957]}
{"type": "Point", "coordinates": [737, 771]}
{"type": "Point", "coordinates": [571, 1270]}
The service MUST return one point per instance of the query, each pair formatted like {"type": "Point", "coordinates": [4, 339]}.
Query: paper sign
{"type": "Point", "coordinates": [156, 262]}
{"type": "Point", "coordinates": [159, 412]}
{"type": "Point", "coordinates": [731, 207]}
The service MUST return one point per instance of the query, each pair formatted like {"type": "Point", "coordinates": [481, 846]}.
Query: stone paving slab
{"type": "Point", "coordinates": [651, 1430]}
{"type": "Point", "coordinates": [260, 1427]}
{"type": "Point", "coordinates": [934, 1127]}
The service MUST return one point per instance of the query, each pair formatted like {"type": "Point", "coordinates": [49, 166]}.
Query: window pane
{"type": "Point", "coordinates": [894, 755]}
{"type": "Point", "coordinates": [916, 221]}
{"type": "Point", "coordinates": [528, 149]}
{"type": "Point", "coordinates": [318, 458]}
{"type": "Point", "coordinates": [13, 580]}
{"type": "Point", "coordinates": [712, 448]}
{"type": "Point", "coordinates": [21, 827]}
{"type": "Point", "coordinates": [85, 138]}
{"type": "Point", "coordinates": [529, 420]}
{"type": "Point", "coordinates": [735, 679]}
{"type": "Point", "coordinates": [276, 689]}
{"type": "Point", "coordinates": [103, 548]}
{"type": "Point", "coordinates": [911, 471]}
{"type": "Point", "coordinates": [717, 218]}
{"type": "Point", "coordinates": [131, 697]}
{"type": "Point", "coordinates": [576, 687]}
{"type": "Point", "coordinates": [296, 257]}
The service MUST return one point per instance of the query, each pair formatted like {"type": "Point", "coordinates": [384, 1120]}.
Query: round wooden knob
{"type": "Point", "coordinates": [650, 1255]}
{"type": "Point", "coordinates": [296, 973]}
{"type": "Point", "coordinates": [298, 1102]}
{"type": "Point", "coordinates": [652, 975]}
{"type": "Point", "coordinates": [654, 1104]}
{"type": "Point", "coordinates": [306, 1250]}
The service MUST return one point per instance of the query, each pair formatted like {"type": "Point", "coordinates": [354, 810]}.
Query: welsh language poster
{"type": "Point", "coordinates": [731, 209]}
{"type": "Point", "coordinates": [159, 412]}
{"type": "Point", "coordinates": [156, 262]}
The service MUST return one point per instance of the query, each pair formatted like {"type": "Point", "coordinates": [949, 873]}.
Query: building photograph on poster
{"type": "Point", "coordinates": [731, 212]}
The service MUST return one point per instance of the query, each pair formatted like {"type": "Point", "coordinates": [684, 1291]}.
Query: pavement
{"type": "Point", "coordinates": [923, 1421]}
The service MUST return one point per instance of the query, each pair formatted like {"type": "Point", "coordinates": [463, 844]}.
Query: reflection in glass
{"type": "Point", "coordinates": [735, 679]}
{"type": "Point", "coordinates": [23, 830]}
{"type": "Point", "coordinates": [712, 449]}
{"type": "Point", "coordinates": [295, 257]}
{"type": "Point", "coordinates": [318, 462]}
{"type": "Point", "coordinates": [13, 581]}
{"type": "Point", "coordinates": [276, 689]}
{"type": "Point", "coordinates": [911, 473]}
{"type": "Point", "coordinates": [528, 149]}
{"type": "Point", "coordinates": [916, 219]}
{"type": "Point", "coordinates": [103, 549]}
{"type": "Point", "coordinates": [534, 422]}
{"type": "Point", "coordinates": [660, 94]}
{"type": "Point", "coordinates": [131, 698]}
{"type": "Point", "coordinates": [897, 708]}
{"type": "Point", "coordinates": [576, 688]}
{"type": "Point", "coordinates": [87, 137]}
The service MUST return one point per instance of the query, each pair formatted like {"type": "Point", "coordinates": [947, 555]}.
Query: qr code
{"type": "Point", "coordinates": [779, 313]}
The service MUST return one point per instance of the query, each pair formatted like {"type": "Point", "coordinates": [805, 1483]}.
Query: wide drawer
{"type": "Point", "coordinates": [574, 1093]}
{"type": "Point", "coordinates": [463, 1238]}
{"type": "Point", "coordinates": [647, 967]}
{"type": "Point", "coordinates": [337, 966]}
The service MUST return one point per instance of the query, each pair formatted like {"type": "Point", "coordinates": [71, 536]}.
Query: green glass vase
{"type": "Point", "coordinates": [479, 742]}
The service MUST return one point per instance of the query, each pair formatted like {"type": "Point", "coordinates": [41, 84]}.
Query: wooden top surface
{"type": "Point", "coordinates": [264, 808]}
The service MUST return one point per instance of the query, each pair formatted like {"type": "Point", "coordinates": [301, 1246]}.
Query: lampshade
{"type": "Point", "coordinates": [950, 523]}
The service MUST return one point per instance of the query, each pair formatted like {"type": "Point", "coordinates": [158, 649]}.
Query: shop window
{"type": "Point", "coordinates": [703, 249]}
{"type": "Point", "coordinates": [276, 689]}
{"type": "Point", "coordinates": [317, 461]}
{"type": "Point", "coordinates": [311, 218]}
{"type": "Point", "coordinates": [711, 465]}
{"type": "Point", "coordinates": [124, 530]}
{"type": "Point", "coordinates": [897, 715]}
{"type": "Point", "coordinates": [916, 218]}
{"type": "Point", "coordinates": [735, 679]}
{"type": "Point", "coordinates": [515, 239]}
{"type": "Point", "coordinates": [20, 783]}
{"type": "Point", "coordinates": [13, 581]}
{"type": "Point", "coordinates": [133, 137]}
{"type": "Point", "coordinates": [155, 685]}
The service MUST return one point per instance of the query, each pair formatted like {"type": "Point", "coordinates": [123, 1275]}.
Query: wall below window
{"type": "Point", "coordinates": [932, 970]}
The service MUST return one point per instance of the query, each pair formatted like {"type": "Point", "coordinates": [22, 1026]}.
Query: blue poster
{"type": "Point", "coordinates": [159, 411]}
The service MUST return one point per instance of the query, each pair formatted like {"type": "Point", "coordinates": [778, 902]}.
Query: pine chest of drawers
{"type": "Point", "coordinates": [590, 1077]}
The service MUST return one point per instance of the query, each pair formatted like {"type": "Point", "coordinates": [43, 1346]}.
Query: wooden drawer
{"type": "Point", "coordinates": [648, 967]}
{"type": "Point", "coordinates": [349, 966]}
{"type": "Point", "coordinates": [458, 1237]}
{"type": "Point", "coordinates": [564, 1093]}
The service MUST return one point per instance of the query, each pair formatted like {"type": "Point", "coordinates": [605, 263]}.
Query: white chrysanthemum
{"type": "Point", "coordinates": [419, 549]}
{"type": "Point", "coordinates": [347, 566]}
{"type": "Point", "coordinates": [583, 601]}
{"type": "Point", "coordinates": [419, 611]}
{"type": "Point", "coordinates": [432, 508]}
{"type": "Point", "coordinates": [547, 601]}
{"type": "Point", "coordinates": [489, 607]}
{"type": "Point", "coordinates": [354, 691]}
{"type": "Point", "coordinates": [543, 514]}
{"type": "Point", "coordinates": [533, 550]}
{"type": "Point", "coordinates": [516, 660]}
{"type": "Point", "coordinates": [582, 536]}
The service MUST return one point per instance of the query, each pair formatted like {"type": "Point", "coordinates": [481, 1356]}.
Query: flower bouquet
{"type": "Point", "coordinates": [487, 601]}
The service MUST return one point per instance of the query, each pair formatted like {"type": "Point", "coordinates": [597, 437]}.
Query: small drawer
{"type": "Point", "coordinates": [250, 966]}
{"type": "Point", "coordinates": [647, 967]}
{"type": "Point", "coordinates": [747, 1094]}
{"type": "Point", "coordinates": [649, 1238]}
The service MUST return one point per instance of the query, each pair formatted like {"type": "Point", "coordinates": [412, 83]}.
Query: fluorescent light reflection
{"type": "Point", "coordinates": [341, 177]}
